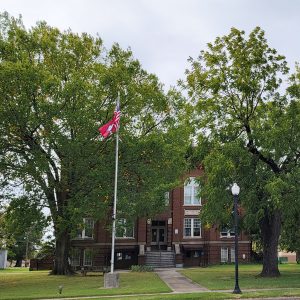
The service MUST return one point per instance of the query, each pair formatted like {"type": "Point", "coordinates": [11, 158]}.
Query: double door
{"type": "Point", "coordinates": [158, 234]}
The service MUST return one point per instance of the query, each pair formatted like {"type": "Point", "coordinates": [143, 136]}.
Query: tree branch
{"type": "Point", "coordinates": [253, 149]}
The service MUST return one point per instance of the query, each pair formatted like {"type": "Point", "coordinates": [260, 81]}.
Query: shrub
{"type": "Point", "coordinates": [141, 268]}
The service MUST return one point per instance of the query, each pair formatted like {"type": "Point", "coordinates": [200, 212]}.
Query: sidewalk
{"type": "Point", "coordinates": [179, 283]}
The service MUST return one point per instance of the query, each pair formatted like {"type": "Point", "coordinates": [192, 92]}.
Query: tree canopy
{"type": "Point", "coordinates": [23, 227]}
{"type": "Point", "coordinates": [249, 133]}
{"type": "Point", "coordinates": [56, 89]}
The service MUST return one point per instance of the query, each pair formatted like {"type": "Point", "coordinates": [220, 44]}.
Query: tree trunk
{"type": "Point", "coordinates": [18, 262]}
{"type": "Point", "coordinates": [61, 261]}
{"type": "Point", "coordinates": [270, 229]}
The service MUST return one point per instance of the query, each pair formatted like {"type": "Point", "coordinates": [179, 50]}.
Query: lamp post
{"type": "Point", "coordinates": [235, 192]}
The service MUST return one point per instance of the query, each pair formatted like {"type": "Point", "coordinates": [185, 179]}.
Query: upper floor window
{"type": "Point", "coordinates": [167, 199]}
{"type": "Point", "coordinates": [87, 230]}
{"type": "Point", "coordinates": [191, 192]}
{"type": "Point", "coordinates": [192, 227]}
{"type": "Point", "coordinates": [124, 229]}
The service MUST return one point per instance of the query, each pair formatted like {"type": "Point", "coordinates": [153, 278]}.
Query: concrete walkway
{"type": "Point", "coordinates": [179, 283]}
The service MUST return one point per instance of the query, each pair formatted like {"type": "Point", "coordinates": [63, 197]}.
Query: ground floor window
{"type": "Point", "coordinates": [124, 255]}
{"type": "Point", "coordinates": [87, 257]}
{"type": "Point", "coordinates": [232, 255]}
{"type": "Point", "coordinates": [193, 253]}
{"type": "Point", "coordinates": [127, 256]}
{"type": "Point", "coordinates": [224, 255]}
{"type": "Point", "coordinates": [75, 257]}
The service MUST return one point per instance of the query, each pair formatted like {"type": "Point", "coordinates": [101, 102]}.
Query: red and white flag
{"type": "Point", "coordinates": [113, 125]}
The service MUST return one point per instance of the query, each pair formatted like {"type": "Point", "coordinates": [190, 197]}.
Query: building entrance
{"type": "Point", "coordinates": [158, 235]}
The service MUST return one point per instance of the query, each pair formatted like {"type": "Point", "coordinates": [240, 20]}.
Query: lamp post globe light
{"type": "Point", "coordinates": [235, 189]}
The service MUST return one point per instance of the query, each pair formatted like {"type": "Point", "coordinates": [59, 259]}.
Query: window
{"type": "Point", "coordinates": [191, 191]}
{"type": "Point", "coordinates": [127, 256]}
{"type": "Point", "coordinates": [188, 254]}
{"type": "Point", "coordinates": [232, 255]}
{"type": "Point", "coordinates": [193, 253]}
{"type": "Point", "coordinates": [167, 199]}
{"type": "Point", "coordinates": [225, 232]}
{"type": "Point", "coordinates": [88, 230]}
{"type": "Point", "coordinates": [192, 227]}
{"type": "Point", "coordinates": [158, 223]}
{"type": "Point", "coordinates": [197, 253]}
{"type": "Point", "coordinates": [87, 257]}
{"type": "Point", "coordinates": [124, 229]}
{"type": "Point", "coordinates": [75, 257]}
{"type": "Point", "coordinates": [224, 255]}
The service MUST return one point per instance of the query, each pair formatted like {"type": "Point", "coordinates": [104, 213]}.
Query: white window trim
{"type": "Point", "coordinates": [167, 198]}
{"type": "Point", "coordinates": [226, 256]}
{"type": "Point", "coordinates": [192, 183]}
{"type": "Point", "coordinates": [232, 255]}
{"type": "Point", "coordinates": [77, 252]}
{"type": "Point", "coordinates": [228, 236]}
{"type": "Point", "coordinates": [83, 236]}
{"type": "Point", "coordinates": [192, 229]}
{"type": "Point", "coordinates": [119, 257]}
{"type": "Point", "coordinates": [84, 260]}
{"type": "Point", "coordinates": [125, 229]}
{"type": "Point", "coordinates": [81, 232]}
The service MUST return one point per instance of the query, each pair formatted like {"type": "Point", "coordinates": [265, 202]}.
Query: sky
{"type": "Point", "coordinates": [163, 34]}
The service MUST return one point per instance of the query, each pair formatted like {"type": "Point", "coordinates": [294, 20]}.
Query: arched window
{"type": "Point", "coordinates": [191, 192]}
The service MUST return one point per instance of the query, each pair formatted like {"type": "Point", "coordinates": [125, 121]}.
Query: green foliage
{"type": "Point", "coordinates": [141, 268]}
{"type": "Point", "coordinates": [247, 132]}
{"type": "Point", "coordinates": [46, 249]}
{"type": "Point", "coordinates": [23, 227]}
{"type": "Point", "coordinates": [56, 89]}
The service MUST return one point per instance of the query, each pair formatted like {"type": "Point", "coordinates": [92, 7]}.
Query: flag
{"type": "Point", "coordinates": [113, 125]}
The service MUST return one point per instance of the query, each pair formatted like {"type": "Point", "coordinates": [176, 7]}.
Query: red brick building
{"type": "Point", "coordinates": [173, 238]}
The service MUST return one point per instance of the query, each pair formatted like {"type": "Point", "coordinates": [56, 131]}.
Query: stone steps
{"type": "Point", "coordinates": [163, 259]}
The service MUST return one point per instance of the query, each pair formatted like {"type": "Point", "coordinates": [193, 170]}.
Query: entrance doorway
{"type": "Point", "coordinates": [158, 235]}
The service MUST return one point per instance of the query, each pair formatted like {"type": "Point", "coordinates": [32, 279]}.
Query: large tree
{"type": "Point", "coordinates": [56, 89]}
{"type": "Point", "coordinates": [238, 111]}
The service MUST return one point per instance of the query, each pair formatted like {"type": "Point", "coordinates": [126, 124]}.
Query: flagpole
{"type": "Point", "coordinates": [115, 200]}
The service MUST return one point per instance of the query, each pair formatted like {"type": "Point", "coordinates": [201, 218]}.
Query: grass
{"type": "Point", "coordinates": [14, 270]}
{"type": "Point", "coordinates": [19, 283]}
{"type": "Point", "coordinates": [209, 296]}
{"type": "Point", "coordinates": [204, 296]}
{"type": "Point", "coordinates": [194, 296]}
{"type": "Point", "coordinates": [221, 277]}
{"type": "Point", "coordinates": [38, 284]}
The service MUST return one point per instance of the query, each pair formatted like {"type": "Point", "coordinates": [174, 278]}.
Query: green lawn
{"type": "Point", "coordinates": [22, 284]}
{"type": "Point", "coordinates": [221, 277]}
{"type": "Point", "coordinates": [16, 284]}
{"type": "Point", "coordinates": [211, 296]}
